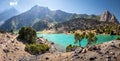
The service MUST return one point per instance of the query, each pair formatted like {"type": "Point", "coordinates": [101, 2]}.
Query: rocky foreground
{"type": "Point", "coordinates": [13, 50]}
{"type": "Point", "coordinates": [10, 48]}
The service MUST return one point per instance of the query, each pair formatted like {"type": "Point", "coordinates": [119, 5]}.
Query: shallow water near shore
{"type": "Point", "coordinates": [63, 40]}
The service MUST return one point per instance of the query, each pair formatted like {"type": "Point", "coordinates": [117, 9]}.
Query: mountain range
{"type": "Point", "coordinates": [79, 24]}
{"type": "Point", "coordinates": [5, 15]}
{"type": "Point", "coordinates": [41, 18]}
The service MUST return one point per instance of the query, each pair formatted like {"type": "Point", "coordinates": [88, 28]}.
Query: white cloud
{"type": "Point", "coordinates": [13, 3]}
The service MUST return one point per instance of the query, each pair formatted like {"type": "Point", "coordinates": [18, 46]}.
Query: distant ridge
{"type": "Point", "coordinates": [40, 14]}
{"type": "Point", "coordinates": [79, 24]}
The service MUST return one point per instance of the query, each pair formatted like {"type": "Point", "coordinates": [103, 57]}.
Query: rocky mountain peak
{"type": "Point", "coordinates": [106, 16]}
{"type": "Point", "coordinates": [39, 8]}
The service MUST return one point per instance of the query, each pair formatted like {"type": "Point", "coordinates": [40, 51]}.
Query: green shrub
{"type": "Point", "coordinates": [36, 49]}
{"type": "Point", "coordinates": [70, 48]}
{"type": "Point", "coordinates": [78, 38]}
{"type": "Point", "coordinates": [28, 35]}
{"type": "Point", "coordinates": [118, 38]}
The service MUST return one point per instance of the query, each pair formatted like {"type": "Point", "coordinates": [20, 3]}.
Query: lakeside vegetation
{"type": "Point", "coordinates": [90, 35]}
{"type": "Point", "coordinates": [71, 48]}
{"type": "Point", "coordinates": [91, 39]}
{"type": "Point", "coordinates": [36, 49]}
{"type": "Point", "coordinates": [28, 36]}
{"type": "Point", "coordinates": [111, 29]}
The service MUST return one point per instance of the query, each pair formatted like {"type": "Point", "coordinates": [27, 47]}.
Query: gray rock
{"type": "Point", "coordinates": [92, 58]}
{"type": "Point", "coordinates": [16, 48]}
{"type": "Point", "coordinates": [30, 58]}
{"type": "Point", "coordinates": [93, 48]}
{"type": "Point", "coordinates": [112, 53]}
{"type": "Point", "coordinates": [84, 51]}
{"type": "Point", "coordinates": [107, 52]}
{"type": "Point", "coordinates": [6, 50]}
{"type": "Point", "coordinates": [78, 50]}
{"type": "Point", "coordinates": [113, 46]}
{"type": "Point", "coordinates": [99, 52]}
{"type": "Point", "coordinates": [74, 57]}
{"type": "Point", "coordinates": [108, 56]}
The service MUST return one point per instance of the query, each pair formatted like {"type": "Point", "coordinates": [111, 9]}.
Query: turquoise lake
{"type": "Point", "coordinates": [63, 40]}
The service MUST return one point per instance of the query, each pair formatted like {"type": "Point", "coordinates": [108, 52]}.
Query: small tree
{"type": "Point", "coordinates": [27, 34]}
{"type": "Point", "coordinates": [78, 38]}
{"type": "Point", "coordinates": [91, 37]}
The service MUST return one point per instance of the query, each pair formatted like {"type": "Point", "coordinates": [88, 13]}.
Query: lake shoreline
{"type": "Point", "coordinates": [63, 40]}
{"type": "Point", "coordinates": [100, 52]}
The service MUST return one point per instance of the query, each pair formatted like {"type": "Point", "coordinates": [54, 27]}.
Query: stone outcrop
{"type": "Point", "coordinates": [106, 16]}
{"type": "Point", "coordinates": [10, 48]}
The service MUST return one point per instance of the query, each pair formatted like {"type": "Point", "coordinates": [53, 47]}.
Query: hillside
{"type": "Point", "coordinates": [79, 24]}
{"type": "Point", "coordinates": [10, 48]}
{"type": "Point", "coordinates": [41, 25]}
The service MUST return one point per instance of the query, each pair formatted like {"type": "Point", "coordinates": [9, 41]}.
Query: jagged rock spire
{"type": "Point", "coordinates": [106, 16]}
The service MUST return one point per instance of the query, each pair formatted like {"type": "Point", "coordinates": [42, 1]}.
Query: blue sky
{"type": "Point", "coordinates": [71, 6]}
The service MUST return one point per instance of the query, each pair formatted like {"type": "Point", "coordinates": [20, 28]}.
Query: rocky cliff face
{"type": "Point", "coordinates": [106, 16]}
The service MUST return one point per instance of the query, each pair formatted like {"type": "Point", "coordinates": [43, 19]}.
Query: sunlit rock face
{"type": "Point", "coordinates": [106, 16]}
